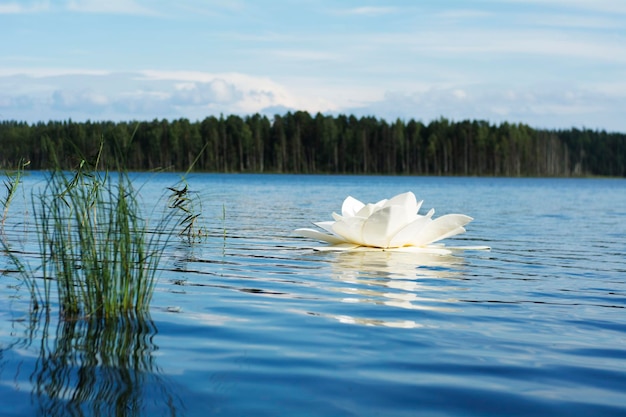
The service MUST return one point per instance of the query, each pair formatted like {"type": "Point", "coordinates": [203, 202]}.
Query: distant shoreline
{"type": "Point", "coordinates": [301, 143]}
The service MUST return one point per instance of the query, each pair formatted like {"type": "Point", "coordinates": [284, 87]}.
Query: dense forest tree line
{"type": "Point", "coordinates": [299, 142]}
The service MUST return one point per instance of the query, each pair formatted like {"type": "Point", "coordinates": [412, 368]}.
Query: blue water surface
{"type": "Point", "coordinates": [251, 321]}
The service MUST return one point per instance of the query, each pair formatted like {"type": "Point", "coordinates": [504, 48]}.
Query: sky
{"type": "Point", "coordinates": [555, 64]}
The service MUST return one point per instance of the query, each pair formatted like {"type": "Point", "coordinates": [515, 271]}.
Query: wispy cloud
{"type": "Point", "coordinates": [77, 99]}
{"type": "Point", "coordinates": [527, 41]}
{"type": "Point", "coordinates": [210, 6]}
{"type": "Point", "coordinates": [110, 6]}
{"type": "Point", "coordinates": [142, 95]}
{"type": "Point", "coordinates": [131, 7]}
{"type": "Point", "coordinates": [463, 14]}
{"type": "Point", "coordinates": [538, 106]}
{"type": "Point", "coordinates": [24, 7]}
{"type": "Point", "coordinates": [146, 95]}
{"type": "Point", "coordinates": [216, 91]}
{"type": "Point", "coordinates": [367, 11]}
{"type": "Point", "coordinates": [41, 72]}
{"type": "Point", "coordinates": [570, 21]}
{"type": "Point", "coordinates": [596, 6]}
{"type": "Point", "coordinates": [303, 55]}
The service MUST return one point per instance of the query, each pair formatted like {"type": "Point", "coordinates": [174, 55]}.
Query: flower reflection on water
{"type": "Point", "coordinates": [396, 280]}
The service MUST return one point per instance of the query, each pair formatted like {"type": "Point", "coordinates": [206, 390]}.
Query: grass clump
{"type": "Point", "coordinates": [95, 244]}
{"type": "Point", "coordinates": [98, 255]}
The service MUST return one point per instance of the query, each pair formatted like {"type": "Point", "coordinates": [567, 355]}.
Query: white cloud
{"type": "Point", "coordinates": [109, 6]}
{"type": "Point", "coordinates": [368, 11]}
{"type": "Point", "coordinates": [576, 21]}
{"type": "Point", "coordinates": [24, 7]}
{"type": "Point", "coordinates": [83, 6]}
{"type": "Point", "coordinates": [216, 91]}
{"type": "Point", "coordinates": [143, 95]}
{"type": "Point", "coordinates": [210, 7]}
{"type": "Point", "coordinates": [597, 6]}
{"type": "Point", "coordinates": [539, 106]}
{"type": "Point", "coordinates": [464, 14]}
{"type": "Point", "coordinates": [77, 99]}
{"type": "Point", "coordinates": [253, 93]}
{"type": "Point", "coordinates": [40, 72]}
{"type": "Point", "coordinates": [56, 94]}
{"type": "Point", "coordinates": [541, 42]}
{"type": "Point", "coordinates": [303, 55]}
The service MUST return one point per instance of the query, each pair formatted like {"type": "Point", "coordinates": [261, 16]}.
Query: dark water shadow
{"type": "Point", "coordinates": [98, 367]}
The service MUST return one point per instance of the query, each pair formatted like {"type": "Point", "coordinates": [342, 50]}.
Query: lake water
{"type": "Point", "coordinates": [253, 322]}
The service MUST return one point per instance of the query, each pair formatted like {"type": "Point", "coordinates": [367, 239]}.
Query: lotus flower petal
{"type": "Point", "coordinates": [430, 249]}
{"type": "Point", "coordinates": [350, 228]}
{"type": "Point", "coordinates": [328, 226]}
{"type": "Point", "coordinates": [369, 209]}
{"type": "Point", "coordinates": [383, 225]}
{"type": "Point", "coordinates": [408, 232]}
{"type": "Point", "coordinates": [406, 200]}
{"type": "Point", "coordinates": [440, 228]}
{"type": "Point", "coordinates": [459, 230]}
{"type": "Point", "coordinates": [436, 250]}
{"type": "Point", "coordinates": [338, 247]}
{"type": "Point", "coordinates": [351, 206]}
{"type": "Point", "coordinates": [315, 234]}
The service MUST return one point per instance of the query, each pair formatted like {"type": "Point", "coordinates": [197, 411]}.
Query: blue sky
{"type": "Point", "coordinates": [547, 63]}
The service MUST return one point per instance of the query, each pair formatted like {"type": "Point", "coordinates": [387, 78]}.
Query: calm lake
{"type": "Point", "coordinates": [253, 322]}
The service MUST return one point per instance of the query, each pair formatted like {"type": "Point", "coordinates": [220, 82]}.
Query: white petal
{"type": "Point", "coordinates": [434, 250]}
{"type": "Point", "coordinates": [337, 248]}
{"type": "Point", "coordinates": [406, 199]}
{"type": "Point", "coordinates": [380, 227]}
{"type": "Point", "coordinates": [314, 234]}
{"type": "Point", "coordinates": [369, 209]}
{"type": "Point", "coordinates": [351, 206]}
{"type": "Point", "coordinates": [419, 252]}
{"type": "Point", "coordinates": [440, 228]}
{"type": "Point", "coordinates": [408, 232]}
{"type": "Point", "coordinates": [350, 228]}
{"type": "Point", "coordinates": [380, 203]}
{"type": "Point", "coordinates": [470, 248]}
{"type": "Point", "coordinates": [328, 226]}
{"type": "Point", "coordinates": [456, 231]}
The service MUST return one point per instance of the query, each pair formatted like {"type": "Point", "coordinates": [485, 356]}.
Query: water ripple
{"type": "Point", "coordinates": [252, 320]}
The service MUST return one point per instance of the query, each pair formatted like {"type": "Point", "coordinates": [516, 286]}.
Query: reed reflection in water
{"type": "Point", "coordinates": [395, 279]}
{"type": "Point", "coordinates": [99, 367]}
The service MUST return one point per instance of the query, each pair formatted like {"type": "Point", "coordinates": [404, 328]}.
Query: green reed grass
{"type": "Point", "coordinates": [95, 244]}
{"type": "Point", "coordinates": [99, 256]}
{"type": "Point", "coordinates": [11, 184]}
{"type": "Point", "coordinates": [188, 209]}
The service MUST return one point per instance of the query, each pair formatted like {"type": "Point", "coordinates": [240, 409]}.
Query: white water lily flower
{"type": "Point", "coordinates": [386, 225]}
